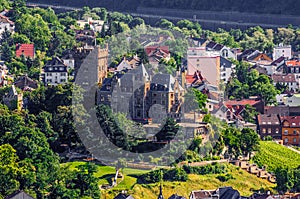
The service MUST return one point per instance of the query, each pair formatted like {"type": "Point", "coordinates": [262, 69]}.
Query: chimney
{"type": "Point", "coordinates": [183, 77]}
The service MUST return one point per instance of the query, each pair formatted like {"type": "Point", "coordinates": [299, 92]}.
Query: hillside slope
{"type": "Point", "coordinates": [274, 155]}
{"type": "Point", "coordinates": [243, 181]}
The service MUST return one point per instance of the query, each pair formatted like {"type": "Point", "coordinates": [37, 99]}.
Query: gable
{"type": "Point", "coordinates": [262, 57]}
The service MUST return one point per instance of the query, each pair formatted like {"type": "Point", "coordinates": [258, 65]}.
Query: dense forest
{"type": "Point", "coordinates": [289, 7]}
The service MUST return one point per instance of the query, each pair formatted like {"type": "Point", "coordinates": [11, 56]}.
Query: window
{"type": "Point", "coordinates": [225, 53]}
{"type": "Point", "coordinates": [295, 140]}
{"type": "Point", "coordinates": [269, 131]}
{"type": "Point", "coordinates": [286, 132]}
{"type": "Point", "coordinates": [286, 140]}
{"type": "Point", "coordinates": [277, 131]}
{"type": "Point", "coordinates": [63, 74]}
{"type": "Point", "coordinates": [264, 131]}
{"type": "Point", "coordinates": [295, 132]}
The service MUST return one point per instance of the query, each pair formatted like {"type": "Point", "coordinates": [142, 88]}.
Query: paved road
{"type": "Point", "coordinates": [51, 6]}
{"type": "Point", "coordinates": [152, 16]}
{"type": "Point", "coordinates": [230, 23]}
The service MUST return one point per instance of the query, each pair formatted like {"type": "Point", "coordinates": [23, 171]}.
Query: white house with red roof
{"type": "Point", "coordinates": [293, 67]}
{"type": "Point", "coordinates": [6, 24]}
{"type": "Point", "coordinates": [231, 110]}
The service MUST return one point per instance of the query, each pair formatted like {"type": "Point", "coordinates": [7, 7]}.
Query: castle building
{"type": "Point", "coordinates": [141, 97]}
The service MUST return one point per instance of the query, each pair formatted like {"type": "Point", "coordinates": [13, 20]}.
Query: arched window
{"type": "Point", "coordinates": [225, 53]}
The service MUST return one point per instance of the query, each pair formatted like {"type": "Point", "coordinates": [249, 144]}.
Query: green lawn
{"type": "Point", "coordinates": [274, 155]}
{"type": "Point", "coordinates": [106, 173]}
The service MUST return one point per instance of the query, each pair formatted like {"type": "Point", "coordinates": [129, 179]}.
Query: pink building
{"type": "Point", "coordinates": [208, 63]}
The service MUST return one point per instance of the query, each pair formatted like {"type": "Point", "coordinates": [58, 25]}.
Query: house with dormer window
{"type": "Point", "coordinates": [55, 72]}
{"type": "Point", "coordinates": [291, 130]}
{"type": "Point", "coordinates": [6, 24]}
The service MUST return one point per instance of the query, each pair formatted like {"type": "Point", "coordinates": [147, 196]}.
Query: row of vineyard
{"type": "Point", "coordinates": [272, 156]}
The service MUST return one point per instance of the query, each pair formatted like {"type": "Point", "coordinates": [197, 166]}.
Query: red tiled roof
{"type": "Point", "coordinates": [293, 63]}
{"type": "Point", "coordinates": [4, 19]}
{"type": "Point", "coordinates": [150, 49]}
{"type": "Point", "coordinates": [284, 78]}
{"type": "Point", "coordinates": [268, 119]}
{"type": "Point", "coordinates": [244, 102]}
{"type": "Point", "coordinates": [293, 120]}
{"type": "Point", "coordinates": [25, 49]}
{"type": "Point", "coordinates": [189, 79]}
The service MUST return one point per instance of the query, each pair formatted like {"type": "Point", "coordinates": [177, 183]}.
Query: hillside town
{"type": "Point", "coordinates": [235, 93]}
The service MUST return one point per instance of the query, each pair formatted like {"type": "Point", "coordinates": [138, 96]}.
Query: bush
{"type": "Point", "coordinates": [225, 178]}
{"type": "Point", "coordinates": [151, 177]}
{"type": "Point", "coordinates": [203, 170]}
{"type": "Point", "coordinates": [177, 174]}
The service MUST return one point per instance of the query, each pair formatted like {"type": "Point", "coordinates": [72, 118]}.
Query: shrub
{"type": "Point", "coordinates": [225, 178]}
{"type": "Point", "coordinates": [177, 174]}
{"type": "Point", "coordinates": [203, 170]}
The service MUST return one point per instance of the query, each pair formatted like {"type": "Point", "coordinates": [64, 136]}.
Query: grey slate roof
{"type": "Point", "coordinates": [55, 65]}
{"type": "Point", "coordinates": [123, 196]}
{"type": "Point", "coordinates": [228, 193]}
{"type": "Point", "coordinates": [25, 82]}
{"type": "Point", "coordinates": [19, 195]}
{"type": "Point", "coordinates": [225, 62]}
{"type": "Point", "coordinates": [164, 82]}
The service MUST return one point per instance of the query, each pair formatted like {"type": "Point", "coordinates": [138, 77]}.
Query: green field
{"type": "Point", "coordinates": [273, 155]}
{"type": "Point", "coordinates": [243, 181]}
